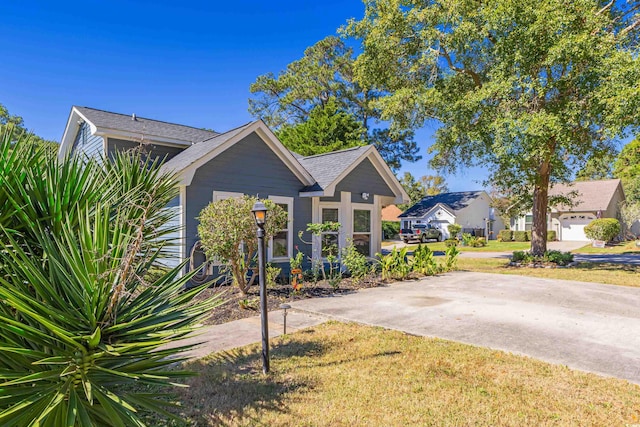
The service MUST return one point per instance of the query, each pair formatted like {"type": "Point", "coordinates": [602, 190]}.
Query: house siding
{"type": "Point", "coordinates": [87, 144]}
{"type": "Point", "coordinates": [154, 151]}
{"type": "Point", "coordinates": [364, 178]}
{"type": "Point", "coordinates": [248, 167]}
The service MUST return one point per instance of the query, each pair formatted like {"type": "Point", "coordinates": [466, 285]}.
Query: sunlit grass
{"type": "Point", "coordinates": [613, 274]}
{"type": "Point", "coordinates": [352, 375]}
{"type": "Point", "coordinates": [616, 248]}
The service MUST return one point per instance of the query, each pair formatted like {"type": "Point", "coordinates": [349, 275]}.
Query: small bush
{"type": "Point", "coordinates": [390, 229]}
{"type": "Point", "coordinates": [451, 242]}
{"type": "Point", "coordinates": [454, 230]}
{"type": "Point", "coordinates": [450, 258]}
{"type": "Point", "coordinates": [602, 229]}
{"type": "Point", "coordinates": [424, 262]}
{"type": "Point", "coordinates": [272, 273]}
{"type": "Point", "coordinates": [521, 256]}
{"type": "Point", "coordinates": [395, 265]}
{"type": "Point", "coordinates": [479, 242]}
{"type": "Point", "coordinates": [505, 235]}
{"type": "Point", "coordinates": [557, 257]}
{"type": "Point", "coordinates": [467, 238]}
{"type": "Point", "coordinates": [551, 236]}
{"type": "Point", "coordinates": [354, 261]}
{"type": "Point", "coordinates": [528, 233]}
{"type": "Point", "coordinates": [520, 236]}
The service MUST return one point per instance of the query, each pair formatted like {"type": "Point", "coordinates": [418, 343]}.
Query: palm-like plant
{"type": "Point", "coordinates": [78, 320]}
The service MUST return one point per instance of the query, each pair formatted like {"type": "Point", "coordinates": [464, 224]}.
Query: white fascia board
{"type": "Point", "coordinates": [312, 194]}
{"type": "Point", "coordinates": [140, 137]}
{"type": "Point", "coordinates": [71, 130]}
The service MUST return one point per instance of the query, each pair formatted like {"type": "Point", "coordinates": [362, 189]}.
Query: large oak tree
{"type": "Point", "coordinates": [531, 90]}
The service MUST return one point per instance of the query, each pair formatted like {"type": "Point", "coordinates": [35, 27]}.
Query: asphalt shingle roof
{"type": "Point", "coordinates": [453, 201]}
{"type": "Point", "coordinates": [196, 151]}
{"type": "Point", "coordinates": [144, 127]}
{"type": "Point", "coordinates": [591, 195]}
{"type": "Point", "coordinates": [326, 168]}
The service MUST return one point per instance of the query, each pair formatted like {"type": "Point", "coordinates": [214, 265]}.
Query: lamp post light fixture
{"type": "Point", "coordinates": [259, 211]}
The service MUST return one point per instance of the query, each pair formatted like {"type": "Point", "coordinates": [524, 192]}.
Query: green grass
{"type": "Point", "coordinates": [352, 375]}
{"type": "Point", "coordinates": [492, 246]}
{"type": "Point", "coordinates": [612, 274]}
{"type": "Point", "coordinates": [616, 248]}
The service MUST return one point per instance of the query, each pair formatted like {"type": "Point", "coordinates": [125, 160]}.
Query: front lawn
{"type": "Point", "coordinates": [616, 248]}
{"type": "Point", "coordinates": [492, 246]}
{"type": "Point", "coordinates": [613, 274]}
{"type": "Point", "coordinates": [346, 374]}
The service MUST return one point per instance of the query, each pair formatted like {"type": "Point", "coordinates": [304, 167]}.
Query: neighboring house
{"type": "Point", "coordinates": [590, 199]}
{"type": "Point", "coordinates": [391, 213]}
{"type": "Point", "coordinates": [470, 209]}
{"type": "Point", "coordinates": [349, 186]}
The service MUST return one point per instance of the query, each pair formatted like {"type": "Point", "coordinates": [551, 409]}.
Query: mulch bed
{"type": "Point", "coordinates": [238, 306]}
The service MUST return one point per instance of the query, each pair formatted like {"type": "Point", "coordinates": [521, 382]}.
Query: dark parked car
{"type": "Point", "coordinates": [421, 232]}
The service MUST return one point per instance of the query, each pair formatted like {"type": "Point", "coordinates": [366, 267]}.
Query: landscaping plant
{"type": "Point", "coordinates": [395, 265]}
{"type": "Point", "coordinates": [227, 230]}
{"type": "Point", "coordinates": [451, 258]}
{"type": "Point", "coordinates": [454, 230]}
{"type": "Point", "coordinates": [355, 262]}
{"type": "Point", "coordinates": [423, 261]}
{"type": "Point", "coordinates": [605, 229]}
{"type": "Point", "coordinates": [82, 324]}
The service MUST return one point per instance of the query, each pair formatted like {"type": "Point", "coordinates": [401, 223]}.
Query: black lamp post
{"type": "Point", "coordinates": [260, 213]}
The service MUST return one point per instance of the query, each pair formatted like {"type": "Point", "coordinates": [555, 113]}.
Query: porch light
{"type": "Point", "coordinates": [259, 213]}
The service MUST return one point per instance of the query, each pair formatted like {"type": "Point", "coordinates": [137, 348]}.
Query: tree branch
{"type": "Point", "coordinates": [474, 76]}
{"type": "Point", "coordinates": [604, 9]}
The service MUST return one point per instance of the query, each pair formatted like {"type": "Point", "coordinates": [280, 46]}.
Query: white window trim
{"type": "Point", "coordinates": [289, 202]}
{"type": "Point", "coordinates": [372, 224]}
{"type": "Point", "coordinates": [330, 205]}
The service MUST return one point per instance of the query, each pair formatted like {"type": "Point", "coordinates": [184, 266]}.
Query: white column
{"type": "Point", "coordinates": [315, 219]}
{"type": "Point", "coordinates": [346, 219]}
{"type": "Point", "coordinates": [376, 226]}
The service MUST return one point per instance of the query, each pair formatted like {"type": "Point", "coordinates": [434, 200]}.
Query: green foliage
{"type": "Point", "coordinates": [423, 261]}
{"type": "Point", "coordinates": [227, 230]}
{"type": "Point", "coordinates": [326, 129]}
{"type": "Point", "coordinates": [272, 274]}
{"type": "Point", "coordinates": [528, 90]}
{"type": "Point", "coordinates": [295, 263]}
{"type": "Point", "coordinates": [627, 168]}
{"type": "Point", "coordinates": [555, 257]}
{"type": "Point", "coordinates": [451, 258]}
{"type": "Point", "coordinates": [602, 229]}
{"type": "Point", "coordinates": [551, 236]}
{"type": "Point", "coordinates": [505, 235]}
{"type": "Point", "coordinates": [355, 262]}
{"type": "Point", "coordinates": [390, 229]}
{"type": "Point", "coordinates": [454, 230]}
{"type": "Point", "coordinates": [466, 239]}
{"type": "Point", "coordinates": [451, 242]}
{"type": "Point", "coordinates": [473, 241]}
{"type": "Point", "coordinates": [428, 185]}
{"type": "Point", "coordinates": [323, 75]}
{"type": "Point", "coordinates": [630, 213]}
{"type": "Point", "coordinates": [15, 125]}
{"type": "Point", "coordinates": [598, 167]}
{"type": "Point", "coordinates": [87, 308]}
{"type": "Point", "coordinates": [396, 265]}
{"type": "Point", "coordinates": [558, 257]}
{"type": "Point", "coordinates": [520, 236]}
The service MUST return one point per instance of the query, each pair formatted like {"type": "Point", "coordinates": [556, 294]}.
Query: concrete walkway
{"type": "Point", "coordinates": [585, 326]}
{"type": "Point", "coordinates": [243, 332]}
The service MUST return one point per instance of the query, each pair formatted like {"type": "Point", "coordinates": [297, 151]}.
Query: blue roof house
{"type": "Point", "coordinates": [349, 186]}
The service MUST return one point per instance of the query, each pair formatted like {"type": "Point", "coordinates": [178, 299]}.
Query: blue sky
{"type": "Point", "coordinates": [187, 62]}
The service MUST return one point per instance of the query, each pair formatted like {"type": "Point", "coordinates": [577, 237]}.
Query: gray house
{"type": "Point", "coordinates": [349, 186]}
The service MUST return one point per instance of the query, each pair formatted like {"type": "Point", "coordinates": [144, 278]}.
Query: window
{"type": "Point", "coordinates": [281, 245]}
{"type": "Point", "coordinates": [528, 222]}
{"type": "Point", "coordinates": [329, 239]}
{"type": "Point", "coordinates": [362, 231]}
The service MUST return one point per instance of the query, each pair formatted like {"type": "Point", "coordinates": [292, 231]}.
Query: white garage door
{"type": "Point", "coordinates": [573, 227]}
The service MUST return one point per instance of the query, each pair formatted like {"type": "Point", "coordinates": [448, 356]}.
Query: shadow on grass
{"type": "Point", "coordinates": [586, 265]}
{"type": "Point", "coordinates": [230, 385]}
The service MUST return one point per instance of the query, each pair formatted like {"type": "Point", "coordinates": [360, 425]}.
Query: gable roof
{"type": "Point", "coordinates": [451, 201]}
{"type": "Point", "coordinates": [106, 123]}
{"type": "Point", "coordinates": [329, 169]}
{"type": "Point", "coordinates": [591, 195]}
{"type": "Point", "coordinates": [391, 213]}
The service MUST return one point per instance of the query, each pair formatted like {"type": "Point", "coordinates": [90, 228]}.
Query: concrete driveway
{"type": "Point", "coordinates": [585, 326]}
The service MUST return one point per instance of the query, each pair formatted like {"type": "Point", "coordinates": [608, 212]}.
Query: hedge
{"type": "Point", "coordinates": [602, 229]}
{"type": "Point", "coordinates": [505, 235]}
{"type": "Point", "coordinates": [520, 236]}
{"type": "Point", "coordinates": [390, 229]}
{"type": "Point", "coordinates": [551, 236]}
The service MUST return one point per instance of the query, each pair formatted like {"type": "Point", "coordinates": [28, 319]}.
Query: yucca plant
{"type": "Point", "coordinates": [81, 326]}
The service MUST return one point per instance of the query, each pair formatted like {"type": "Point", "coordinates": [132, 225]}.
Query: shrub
{"type": "Point", "coordinates": [395, 265]}
{"type": "Point", "coordinates": [451, 242]}
{"type": "Point", "coordinates": [424, 262]}
{"type": "Point", "coordinates": [272, 274]}
{"type": "Point", "coordinates": [521, 256]}
{"type": "Point", "coordinates": [520, 236]}
{"type": "Point", "coordinates": [479, 242]}
{"type": "Point", "coordinates": [451, 258]}
{"type": "Point", "coordinates": [83, 323]}
{"type": "Point", "coordinates": [528, 234]}
{"type": "Point", "coordinates": [467, 239]}
{"type": "Point", "coordinates": [602, 229]}
{"type": "Point", "coordinates": [505, 235]}
{"type": "Point", "coordinates": [227, 230]}
{"type": "Point", "coordinates": [454, 230]}
{"type": "Point", "coordinates": [390, 229]}
{"type": "Point", "coordinates": [557, 257]}
{"type": "Point", "coordinates": [355, 262]}
{"type": "Point", "coordinates": [551, 236]}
